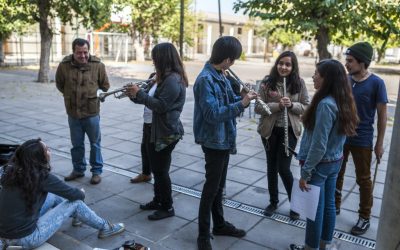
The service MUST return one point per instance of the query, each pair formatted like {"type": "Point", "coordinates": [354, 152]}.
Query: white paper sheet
{"type": "Point", "coordinates": [305, 203]}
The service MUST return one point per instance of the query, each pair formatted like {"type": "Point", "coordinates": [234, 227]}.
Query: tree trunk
{"type": "Point", "coordinates": [46, 36]}
{"type": "Point", "coordinates": [1, 53]}
{"type": "Point", "coordinates": [322, 38]}
{"type": "Point", "coordinates": [181, 28]}
{"type": "Point", "coordinates": [382, 50]}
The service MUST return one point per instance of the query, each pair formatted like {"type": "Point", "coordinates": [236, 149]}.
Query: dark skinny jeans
{"type": "Point", "coordinates": [211, 196]}
{"type": "Point", "coordinates": [145, 148]}
{"type": "Point", "coordinates": [160, 163]}
{"type": "Point", "coordinates": [278, 162]}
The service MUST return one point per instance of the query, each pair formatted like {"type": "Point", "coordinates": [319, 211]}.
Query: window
{"type": "Point", "coordinates": [239, 31]}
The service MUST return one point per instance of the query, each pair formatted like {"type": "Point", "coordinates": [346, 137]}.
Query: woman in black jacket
{"type": "Point", "coordinates": [166, 127]}
{"type": "Point", "coordinates": [34, 203]}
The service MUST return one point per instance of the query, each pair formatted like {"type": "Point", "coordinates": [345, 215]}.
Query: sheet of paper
{"type": "Point", "coordinates": [305, 203]}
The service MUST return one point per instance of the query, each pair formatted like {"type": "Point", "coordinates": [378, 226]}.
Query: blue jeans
{"type": "Point", "coordinates": [78, 128]}
{"type": "Point", "coordinates": [54, 212]}
{"type": "Point", "coordinates": [321, 230]}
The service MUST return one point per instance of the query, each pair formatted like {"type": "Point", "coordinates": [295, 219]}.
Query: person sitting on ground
{"type": "Point", "coordinates": [34, 203]}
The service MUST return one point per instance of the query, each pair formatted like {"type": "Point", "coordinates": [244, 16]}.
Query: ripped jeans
{"type": "Point", "coordinates": [54, 212]}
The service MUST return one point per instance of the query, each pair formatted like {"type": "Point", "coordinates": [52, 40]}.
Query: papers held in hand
{"type": "Point", "coordinates": [305, 203]}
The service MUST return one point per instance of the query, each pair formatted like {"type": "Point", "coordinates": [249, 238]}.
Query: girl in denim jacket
{"type": "Point", "coordinates": [329, 119]}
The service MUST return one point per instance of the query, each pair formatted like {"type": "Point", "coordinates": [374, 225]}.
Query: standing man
{"type": "Point", "coordinates": [215, 110]}
{"type": "Point", "coordinates": [370, 95]}
{"type": "Point", "coordinates": [78, 78]}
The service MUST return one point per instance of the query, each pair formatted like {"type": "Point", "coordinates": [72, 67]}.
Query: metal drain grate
{"type": "Point", "coordinates": [228, 203]}
{"type": "Point", "coordinates": [187, 191]}
{"type": "Point", "coordinates": [251, 210]}
{"type": "Point", "coordinates": [354, 239]}
{"type": "Point", "coordinates": [231, 203]}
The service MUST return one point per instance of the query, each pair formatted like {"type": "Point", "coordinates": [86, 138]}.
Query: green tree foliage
{"type": "Point", "coordinates": [13, 18]}
{"type": "Point", "coordinates": [317, 18]}
{"type": "Point", "coordinates": [148, 16]}
{"type": "Point", "coordinates": [170, 29]}
{"type": "Point", "coordinates": [157, 18]}
{"type": "Point", "coordinates": [91, 13]}
{"type": "Point", "coordinates": [277, 34]}
{"type": "Point", "coordinates": [382, 25]}
{"type": "Point", "coordinates": [332, 20]}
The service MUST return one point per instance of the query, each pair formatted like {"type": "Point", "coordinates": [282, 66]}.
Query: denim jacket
{"type": "Point", "coordinates": [323, 143]}
{"type": "Point", "coordinates": [215, 110]}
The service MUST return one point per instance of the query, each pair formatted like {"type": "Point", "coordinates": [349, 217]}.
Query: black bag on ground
{"type": "Point", "coordinates": [6, 152]}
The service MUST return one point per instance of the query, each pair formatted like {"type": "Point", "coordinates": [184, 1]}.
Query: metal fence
{"type": "Point", "coordinates": [25, 50]}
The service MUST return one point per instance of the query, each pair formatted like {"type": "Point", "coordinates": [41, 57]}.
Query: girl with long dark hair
{"type": "Point", "coordinates": [34, 203]}
{"type": "Point", "coordinates": [331, 116]}
{"type": "Point", "coordinates": [166, 128]}
{"type": "Point", "coordinates": [272, 126]}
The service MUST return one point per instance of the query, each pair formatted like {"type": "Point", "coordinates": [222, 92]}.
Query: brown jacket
{"type": "Point", "coordinates": [79, 85]}
{"type": "Point", "coordinates": [266, 123]}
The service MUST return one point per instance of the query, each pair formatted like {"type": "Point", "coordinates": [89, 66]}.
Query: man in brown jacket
{"type": "Point", "coordinates": [78, 78]}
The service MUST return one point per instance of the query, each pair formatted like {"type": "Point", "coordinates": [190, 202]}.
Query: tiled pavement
{"type": "Point", "coordinates": [31, 110]}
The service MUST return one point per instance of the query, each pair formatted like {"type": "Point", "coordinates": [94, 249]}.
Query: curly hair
{"type": "Point", "coordinates": [335, 84]}
{"type": "Point", "coordinates": [28, 167]}
{"type": "Point", "coordinates": [293, 81]}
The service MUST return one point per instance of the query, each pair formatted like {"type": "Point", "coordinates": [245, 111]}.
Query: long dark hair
{"type": "Point", "coordinates": [293, 83]}
{"type": "Point", "coordinates": [28, 167]}
{"type": "Point", "coordinates": [166, 60]}
{"type": "Point", "coordinates": [335, 84]}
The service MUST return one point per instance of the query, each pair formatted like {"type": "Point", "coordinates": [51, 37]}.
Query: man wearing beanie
{"type": "Point", "coordinates": [369, 92]}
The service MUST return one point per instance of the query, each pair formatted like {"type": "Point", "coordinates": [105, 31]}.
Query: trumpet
{"type": "Point", "coordinates": [247, 89]}
{"type": "Point", "coordinates": [121, 92]}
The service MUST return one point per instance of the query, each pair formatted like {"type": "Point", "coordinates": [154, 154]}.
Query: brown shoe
{"type": "Point", "coordinates": [96, 179]}
{"type": "Point", "coordinates": [141, 178]}
{"type": "Point", "coordinates": [73, 175]}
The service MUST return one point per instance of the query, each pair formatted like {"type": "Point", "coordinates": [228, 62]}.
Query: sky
{"type": "Point", "coordinates": [212, 6]}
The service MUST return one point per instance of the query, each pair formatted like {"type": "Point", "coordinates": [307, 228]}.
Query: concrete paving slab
{"type": "Point", "coordinates": [154, 230]}
{"type": "Point", "coordinates": [186, 177]}
{"type": "Point", "coordinates": [243, 175]}
{"type": "Point", "coordinates": [274, 235]}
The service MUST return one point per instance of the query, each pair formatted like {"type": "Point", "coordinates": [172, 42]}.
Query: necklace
{"type": "Point", "coordinates": [363, 77]}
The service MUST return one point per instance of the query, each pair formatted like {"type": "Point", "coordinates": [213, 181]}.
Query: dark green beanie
{"type": "Point", "coordinates": [362, 51]}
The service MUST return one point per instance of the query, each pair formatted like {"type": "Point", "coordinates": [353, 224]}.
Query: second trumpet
{"type": "Point", "coordinates": [121, 92]}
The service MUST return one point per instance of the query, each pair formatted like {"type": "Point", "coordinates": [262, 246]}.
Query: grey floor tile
{"type": "Point", "coordinates": [244, 244]}
{"type": "Point", "coordinates": [183, 160]}
{"type": "Point", "coordinates": [271, 234]}
{"type": "Point", "coordinates": [233, 188]}
{"type": "Point", "coordinates": [140, 193]}
{"type": "Point", "coordinates": [253, 196]}
{"type": "Point", "coordinates": [186, 177]}
{"type": "Point", "coordinates": [125, 161]}
{"type": "Point", "coordinates": [245, 176]}
{"type": "Point", "coordinates": [254, 164]}
{"type": "Point", "coordinates": [154, 230]}
{"type": "Point", "coordinates": [184, 238]}
{"type": "Point", "coordinates": [116, 208]}
{"type": "Point", "coordinates": [108, 153]}
{"type": "Point", "coordinates": [127, 147]}
{"type": "Point", "coordinates": [186, 206]}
